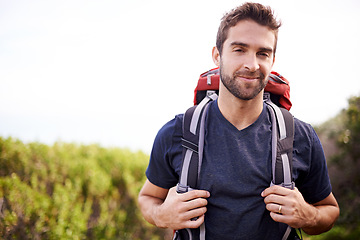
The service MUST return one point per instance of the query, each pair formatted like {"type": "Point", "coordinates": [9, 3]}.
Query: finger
{"type": "Point", "coordinates": [276, 208]}
{"type": "Point", "coordinates": [274, 198]}
{"type": "Point", "coordinates": [196, 203]}
{"type": "Point", "coordinates": [195, 194]}
{"type": "Point", "coordinates": [279, 217]}
{"type": "Point", "coordinates": [276, 189]}
{"type": "Point", "coordinates": [193, 213]}
{"type": "Point", "coordinates": [195, 223]}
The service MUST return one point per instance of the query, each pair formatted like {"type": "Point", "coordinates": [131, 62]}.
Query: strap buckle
{"type": "Point", "coordinates": [180, 188]}
{"type": "Point", "coordinates": [285, 185]}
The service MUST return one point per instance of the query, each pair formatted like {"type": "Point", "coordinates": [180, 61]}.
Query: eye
{"type": "Point", "coordinates": [238, 50]}
{"type": "Point", "coordinates": [264, 54]}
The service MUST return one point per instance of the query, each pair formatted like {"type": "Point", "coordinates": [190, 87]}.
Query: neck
{"type": "Point", "coordinates": [240, 113]}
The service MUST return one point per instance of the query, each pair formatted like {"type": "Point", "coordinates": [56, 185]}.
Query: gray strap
{"type": "Point", "coordinates": [202, 138]}
{"type": "Point", "coordinates": [185, 169]}
{"type": "Point", "coordinates": [193, 126]}
{"type": "Point", "coordinates": [202, 231]}
{"type": "Point", "coordinates": [189, 232]}
{"type": "Point", "coordinates": [273, 142]}
{"type": "Point", "coordinates": [285, 160]}
{"type": "Point", "coordinates": [277, 116]}
{"type": "Point", "coordinates": [197, 112]}
{"type": "Point", "coordinates": [287, 170]}
{"type": "Point", "coordinates": [201, 150]}
{"type": "Point", "coordinates": [280, 118]}
{"type": "Point", "coordinates": [287, 233]}
{"type": "Point", "coordinates": [201, 108]}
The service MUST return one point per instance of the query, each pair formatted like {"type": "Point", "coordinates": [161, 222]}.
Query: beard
{"type": "Point", "coordinates": [243, 90]}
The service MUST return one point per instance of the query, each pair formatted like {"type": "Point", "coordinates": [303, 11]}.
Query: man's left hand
{"type": "Point", "coordinates": [288, 206]}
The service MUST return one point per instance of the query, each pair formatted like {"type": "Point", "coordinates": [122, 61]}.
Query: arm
{"type": "Point", "coordinates": [168, 209]}
{"type": "Point", "coordinates": [296, 212]}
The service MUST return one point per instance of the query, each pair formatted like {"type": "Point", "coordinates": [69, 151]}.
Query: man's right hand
{"type": "Point", "coordinates": [179, 210]}
{"type": "Point", "coordinates": [169, 209]}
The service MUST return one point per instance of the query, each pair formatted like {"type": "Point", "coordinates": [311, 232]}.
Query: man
{"type": "Point", "coordinates": [235, 200]}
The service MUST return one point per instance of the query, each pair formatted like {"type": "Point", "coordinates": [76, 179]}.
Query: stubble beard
{"type": "Point", "coordinates": [241, 90]}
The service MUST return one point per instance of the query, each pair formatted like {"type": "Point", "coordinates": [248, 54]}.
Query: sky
{"type": "Point", "coordinates": [114, 72]}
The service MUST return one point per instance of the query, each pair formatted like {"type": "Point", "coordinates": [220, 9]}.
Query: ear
{"type": "Point", "coordinates": [216, 56]}
{"type": "Point", "coordinates": [273, 60]}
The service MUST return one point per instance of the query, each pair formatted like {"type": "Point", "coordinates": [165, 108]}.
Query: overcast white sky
{"type": "Point", "coordinates": [113, 72]}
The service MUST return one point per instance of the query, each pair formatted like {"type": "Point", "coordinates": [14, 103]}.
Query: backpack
{"type": "Point", "coordinates": [277, 99]}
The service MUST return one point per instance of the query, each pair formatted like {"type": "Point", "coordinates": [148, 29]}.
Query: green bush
{"type": "Point", "coordinates": [69, 191]}
{"type": "Point", "coordinates": [341, 139]}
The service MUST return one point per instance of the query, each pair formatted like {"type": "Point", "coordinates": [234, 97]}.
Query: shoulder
{"type": "Point", "coordinates": [171, 129]}
{"type": "Point", "coordinates": [165, 158]}
{"type": "Point", "coordinates": [304, 131]}
{"type": "Point", "coordinates": [168, 134]}
{"type": "Point", "coordinates": [306, 141]}
{"type": "Point", "coordinates": [309, 163]}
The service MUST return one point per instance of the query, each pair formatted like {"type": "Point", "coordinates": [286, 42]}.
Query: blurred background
{"type": "Point", "coordinates": [113, 72]}
{"type": "Point", "coordinates": [85, 85]}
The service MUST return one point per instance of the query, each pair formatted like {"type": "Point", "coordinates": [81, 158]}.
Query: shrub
{"type": "Point", "coordinates": [69, 191]}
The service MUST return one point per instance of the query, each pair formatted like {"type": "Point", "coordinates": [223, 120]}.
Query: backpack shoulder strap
{"type": "Point", "coordinates": [282, 148]}
{"type": "Point", "coordinates": [193, 143]}
{"type": "Point", "coordinates": [282, 144]}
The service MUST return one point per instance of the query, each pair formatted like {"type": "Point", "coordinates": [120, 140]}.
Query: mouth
{"type": "Point", "coordinates": [248, 78]}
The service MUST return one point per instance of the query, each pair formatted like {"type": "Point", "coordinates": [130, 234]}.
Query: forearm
{"type": "Point", "coordinates": [323, 219]}
{"type": "Point", "coordinates": [148, 207]}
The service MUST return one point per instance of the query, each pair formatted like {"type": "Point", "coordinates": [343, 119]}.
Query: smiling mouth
{"type": "Point", "coordinates": [249, 78]}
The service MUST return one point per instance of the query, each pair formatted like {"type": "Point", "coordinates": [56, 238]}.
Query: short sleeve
{"type": "Point", "coordinates": [165, 158]}
{"type": "Point", "coordinates": [313, 182]}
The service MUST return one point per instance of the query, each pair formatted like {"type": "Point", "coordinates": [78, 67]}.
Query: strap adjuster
{"type": "Point", "coordinates": [285, 185]}
{"type": "Point", "coordinates": [180, 188]}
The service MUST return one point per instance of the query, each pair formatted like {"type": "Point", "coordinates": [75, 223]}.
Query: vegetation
{"type": "Point", "coordinates": [69, 191]}
{"type": "Point", "coordinates": [341, 140]}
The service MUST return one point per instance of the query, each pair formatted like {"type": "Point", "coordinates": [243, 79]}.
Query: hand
{"type": "Point", "coordinates": [177, 210]}
{"type": "Point", "coordinates": [288, 206]}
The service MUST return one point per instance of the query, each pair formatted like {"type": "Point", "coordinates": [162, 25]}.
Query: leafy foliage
{"type": "Point", "coordinates": [341, 139]}
{"type": "Point", "coordinates": [70, 191]}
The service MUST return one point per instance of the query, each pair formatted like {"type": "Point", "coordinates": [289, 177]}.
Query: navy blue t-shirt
{"type": "Point", "coordinates": [236, 168]}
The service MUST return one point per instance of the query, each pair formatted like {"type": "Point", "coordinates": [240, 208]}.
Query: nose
{"type": "Point", "coordinates": [251, 63]}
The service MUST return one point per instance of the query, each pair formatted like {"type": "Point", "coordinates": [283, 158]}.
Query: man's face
{"type": "Point", "coordinates": [247, 59]}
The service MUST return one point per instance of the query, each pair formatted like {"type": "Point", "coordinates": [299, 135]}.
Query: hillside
{"type": "Point", "coordinates": [69, 191]}
{"type": "Point", "coordinates": [340, 137]}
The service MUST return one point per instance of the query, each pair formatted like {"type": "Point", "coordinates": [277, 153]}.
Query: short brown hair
{"type": "Point", "coordinates": [260, 14]}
